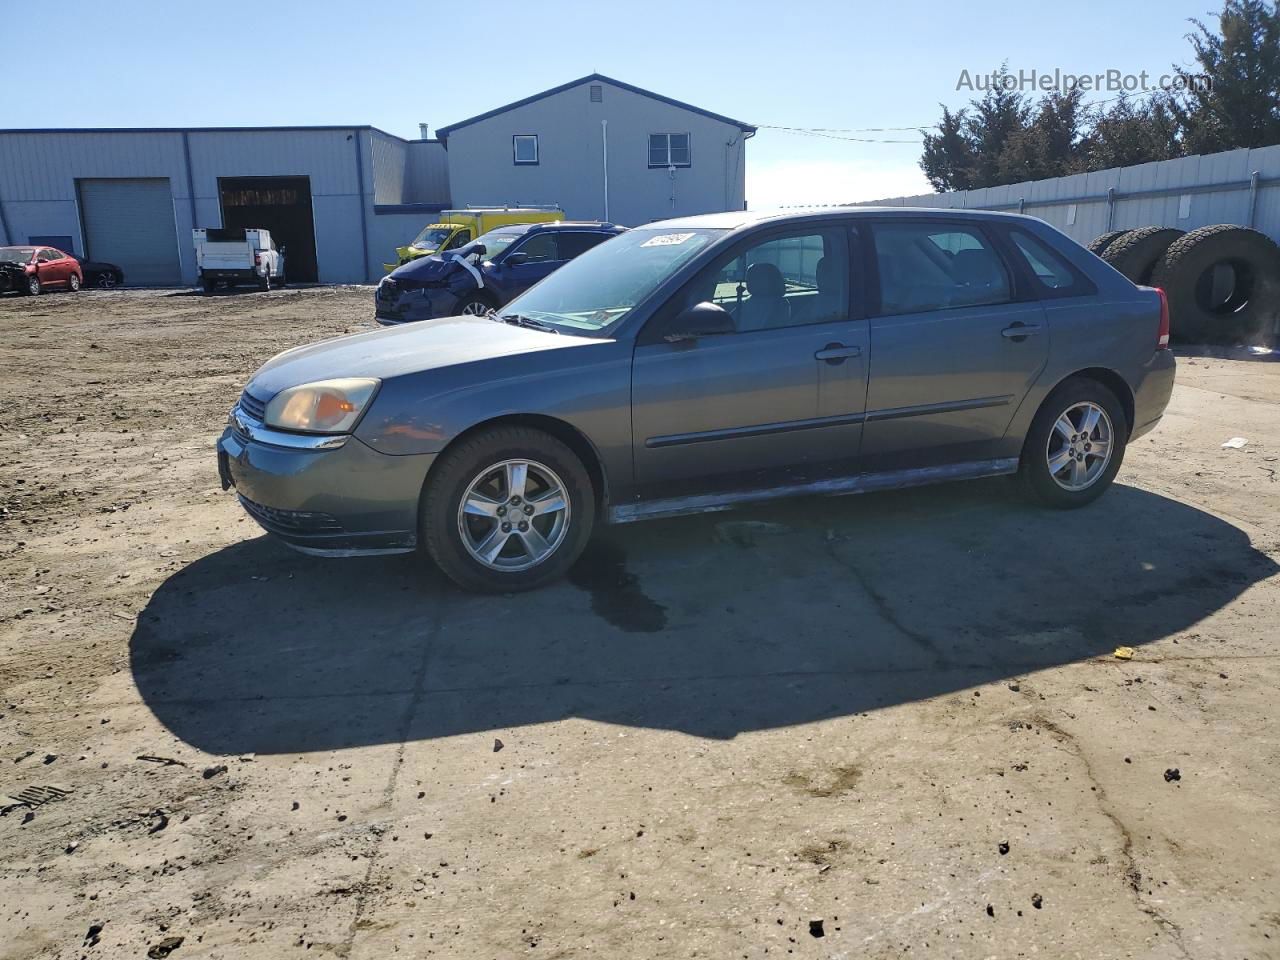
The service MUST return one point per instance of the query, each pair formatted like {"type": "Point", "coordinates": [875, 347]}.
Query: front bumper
{"type": "Point", "coordinates": [343, 499]}
{"type": "Point", "coordinates": [392, 306]}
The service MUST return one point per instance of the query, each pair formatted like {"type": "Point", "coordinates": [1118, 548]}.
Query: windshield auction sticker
{"type": "Point", "coordinates": [666, 240]}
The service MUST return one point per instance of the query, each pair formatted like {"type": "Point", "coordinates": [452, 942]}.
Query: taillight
{"type": "Point", "coordinates": [1162, 335]}
{"type": "Point", "coordinates": [257, 262]}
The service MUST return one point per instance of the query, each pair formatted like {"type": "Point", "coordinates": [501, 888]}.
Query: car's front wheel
{"type": "Point", "coordinates": [74, 283]}
{"type": "Point", "coordinates": [1075, 445]}
{"type": "Point", "coordinates": [474, 306]}
{"type": "Point", "coordinates": [33, 286]}
{"type": "Point", "coordinates": [508, 509]}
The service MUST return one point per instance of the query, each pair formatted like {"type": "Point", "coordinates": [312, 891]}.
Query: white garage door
{"type": "Point", "coordinates": [130, 223]}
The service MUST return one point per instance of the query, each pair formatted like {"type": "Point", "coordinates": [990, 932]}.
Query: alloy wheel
{"type": "Point", "coordinates": [1079, 446]}
{"type": "Point", "coordinates": [513, 515]}
{"type": "Point", "coordinates": [476, 309]}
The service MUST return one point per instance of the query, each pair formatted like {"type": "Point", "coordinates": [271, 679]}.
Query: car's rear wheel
{"type": "Point", "coordinates": [74, 283]}
{"type": "Point", "coordinates": [509, 509]}
{"type": "Point", "coordinates": [108, 281]}
{"type": "Point", "coordinates": [1075, 445]}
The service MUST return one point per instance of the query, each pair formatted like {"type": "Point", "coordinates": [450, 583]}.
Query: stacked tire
{"type": "Point", "coordinates": [1222, 281]}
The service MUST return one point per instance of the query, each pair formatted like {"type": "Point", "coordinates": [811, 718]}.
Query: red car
{"type": "Point", "coordinates": [32, 269]}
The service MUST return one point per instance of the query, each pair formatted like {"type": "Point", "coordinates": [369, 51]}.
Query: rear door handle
{"type": "Point", "coordinates": [835, 353]}
{"type": "Point", "coordinates": [1020, 331]}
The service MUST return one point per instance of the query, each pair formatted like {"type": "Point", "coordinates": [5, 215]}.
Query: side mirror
{"type": "Point", "coordinates": [705, 319]}
{"type": "Point", "coordinates": [515, 259]}
{"type": "Point", "coordinates": [477, 250]}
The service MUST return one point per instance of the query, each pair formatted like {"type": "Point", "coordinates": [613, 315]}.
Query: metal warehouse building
{"type": "Point", "coordinates": [342, 198]}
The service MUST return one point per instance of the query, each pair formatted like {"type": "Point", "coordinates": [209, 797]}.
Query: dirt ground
{"type": "Point", "coordinates": [867, 727]}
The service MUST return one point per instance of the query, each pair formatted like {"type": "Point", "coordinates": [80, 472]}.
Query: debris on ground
{"type": "Point", "coordinates": [1003, 847]}
{"type": "Point", "coordinates": [1037, 901]}
{"type": "Point", "coordinates": [164, 948]}
{"type": "Point", "coordinates": [91, 938]}
{"type": "Point", "coordinates": [1123, 653]}
{"type": "Point", "coordinates": [163, 761]}
{"type": "Point", "coordinates": [210, 772]}
{"type": "Point", "coordinates": [497, 744]}
{"type": "Point", "coordinates": [32, 797]}
{"type": "Point", "coordinates": [815, 929]}
{"type": "Point", "coordinates": [1235, 443]}
{"type": "Point", "coordinates": [1172, 774]}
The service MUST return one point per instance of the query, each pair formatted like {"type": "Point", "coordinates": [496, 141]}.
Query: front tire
{"type": "Point", "coordinates": [33, 287]}
{"type": "Point", "coordinates": [73, 283]}
{"type": "Point", "coordinates": [1075, 445]}
{"type": "Point", "coordinates": [507, 510]}
{"type": "Point", "coordinates": [474, 306]}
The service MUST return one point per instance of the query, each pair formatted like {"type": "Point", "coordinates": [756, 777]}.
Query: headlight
{"type": "Point", "coordinates": [329, 406]}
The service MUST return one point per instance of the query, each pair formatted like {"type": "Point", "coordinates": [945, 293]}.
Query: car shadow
{"type": "Point", "coordinates": [711, 625]}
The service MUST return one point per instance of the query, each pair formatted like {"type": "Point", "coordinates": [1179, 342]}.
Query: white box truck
{"type": "Point", "coordinates": [237, 256]}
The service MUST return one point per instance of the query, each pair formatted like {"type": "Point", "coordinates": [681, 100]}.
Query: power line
{"type": "Point", "coordinates": [834, 133]}
{"type": "Point", "coordinates": [800, 131]}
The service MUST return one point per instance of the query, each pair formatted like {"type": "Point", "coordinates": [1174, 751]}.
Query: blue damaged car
{"type": "Point", "coordinates": [485, 274]}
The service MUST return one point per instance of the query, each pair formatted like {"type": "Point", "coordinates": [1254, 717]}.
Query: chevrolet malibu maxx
{"type": "Point", "coordinates": [702, 363]}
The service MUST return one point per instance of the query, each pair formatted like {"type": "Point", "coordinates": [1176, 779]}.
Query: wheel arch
{"type": "Point", "coordinates": [1113, 382]}
{"type": "Point", "coordinates": [562, 430]}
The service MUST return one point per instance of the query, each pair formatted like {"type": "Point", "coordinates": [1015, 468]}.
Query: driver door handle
{"type": "Point", "coordinates": [1020, 330]}
{"type": "Point", "coordinates": [837, 353]}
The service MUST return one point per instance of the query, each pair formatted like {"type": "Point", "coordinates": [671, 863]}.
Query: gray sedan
{"type": "Point", "coordinates": [702, 363]}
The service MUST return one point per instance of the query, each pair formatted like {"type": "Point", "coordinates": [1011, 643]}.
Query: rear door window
{"type": "Point", "coordinates": [937, 266]}
{"type": "Point", "coordinates": [573, 244]}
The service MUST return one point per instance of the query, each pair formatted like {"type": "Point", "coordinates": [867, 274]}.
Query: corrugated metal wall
{"type": "Point", "coordinates": [348, 169]}
{"type": "Point", "coordinates": [1238, 186]}
{"type": "Point", "coordinates": [428, 173]}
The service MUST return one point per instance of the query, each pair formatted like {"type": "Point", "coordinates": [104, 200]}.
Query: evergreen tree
{"type": "Point", "coordinates": [1241, 107]}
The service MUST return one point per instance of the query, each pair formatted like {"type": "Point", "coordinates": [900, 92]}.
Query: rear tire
{"type": "Point", "coordinates": [208, 285]}
{"type": "Point", "coordinates": [73, 283]}
{"type": "Point", "coordinates": [1061, 465]}
{"type": "Point", "coordinates": [507, 475]}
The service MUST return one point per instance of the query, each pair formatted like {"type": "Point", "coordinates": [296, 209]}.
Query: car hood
{"type": "Point", "coordinates": [412, 348]}
{"type": "Point", "coordinates": [427, 268]}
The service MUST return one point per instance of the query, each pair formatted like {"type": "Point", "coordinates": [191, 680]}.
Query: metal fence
{"type": "Point", "coordinates": [1238, 186]}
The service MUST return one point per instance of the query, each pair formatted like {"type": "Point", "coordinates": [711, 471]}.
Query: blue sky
{"type": "Point", "coordinates": [397, 63]}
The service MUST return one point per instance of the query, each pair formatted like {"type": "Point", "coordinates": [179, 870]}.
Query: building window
{"type": "Point", "coordinates": [525, 147]}
{"type": "Point", "coordinates": [669, 150]}
{"type": "Point", "coordinates": [597, 93]}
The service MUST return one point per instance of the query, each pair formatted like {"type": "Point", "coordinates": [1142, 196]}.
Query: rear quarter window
{"type": "Point", "coordinates": [1051, 274]}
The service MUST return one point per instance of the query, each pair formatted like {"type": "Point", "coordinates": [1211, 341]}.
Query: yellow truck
{"type": "Point", "coordinates": [456, 228]}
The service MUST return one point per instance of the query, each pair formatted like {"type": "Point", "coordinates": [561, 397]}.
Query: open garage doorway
{"type": "Point", "coordinates": [281, 205]}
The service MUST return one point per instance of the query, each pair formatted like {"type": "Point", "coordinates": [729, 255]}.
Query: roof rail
{"type": "Point", "coordinates": [550, 207]}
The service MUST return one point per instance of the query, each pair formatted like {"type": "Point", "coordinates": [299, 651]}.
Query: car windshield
{"type": "Point", "coordinates": [432, 237]}
{"type": "Point", "coordinates": [601, 287]}
{"type": "Point", "coordinates": [16, 254]}
{"type": "Point", "coordinates": [498, 240]}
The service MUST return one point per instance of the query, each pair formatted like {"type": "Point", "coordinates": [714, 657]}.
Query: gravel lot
{"type": "Point", "coordinates": [867, 727]}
